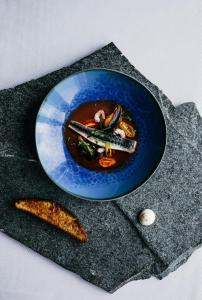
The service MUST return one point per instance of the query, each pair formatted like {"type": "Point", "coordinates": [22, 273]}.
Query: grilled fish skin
{"type": "Point", "coordinates": [54, 214]}
{"type": "Point", "coordinates": [100, 137]}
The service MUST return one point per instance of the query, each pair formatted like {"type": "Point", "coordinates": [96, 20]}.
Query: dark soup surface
{"type": "Point", "coordinates": [101, 135]}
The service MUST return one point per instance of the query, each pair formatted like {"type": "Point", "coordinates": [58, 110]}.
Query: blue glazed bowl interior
{"type": "Point", "coordinates": [95, 85]}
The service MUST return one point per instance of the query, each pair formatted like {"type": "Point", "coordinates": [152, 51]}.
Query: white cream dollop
{"type": "Point", "coordinates": [147, 217]}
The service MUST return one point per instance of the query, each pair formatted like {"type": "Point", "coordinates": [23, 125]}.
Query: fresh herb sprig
{"type": "Point", "coordinates": [87, 147]}
{"type": "Point", "coordinates": [125, 115]}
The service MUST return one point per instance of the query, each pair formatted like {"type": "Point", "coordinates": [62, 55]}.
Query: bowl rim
{"type": "Point", "coordinates": [136, 189]}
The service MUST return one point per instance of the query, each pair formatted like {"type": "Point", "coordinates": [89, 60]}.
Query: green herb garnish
{"type": "Point", "coordinates": [125, 115]}
{"type": "Point", "coordinates": [87, 147]}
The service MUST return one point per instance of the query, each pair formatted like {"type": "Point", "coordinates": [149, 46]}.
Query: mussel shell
{"type": "Point", "coordinates": [113, 118]}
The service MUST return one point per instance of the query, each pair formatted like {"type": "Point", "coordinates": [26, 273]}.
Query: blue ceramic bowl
{"type": "Point", "coordinates": [91, 85]}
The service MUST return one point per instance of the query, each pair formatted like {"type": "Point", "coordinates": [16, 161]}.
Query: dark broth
{"type": "Point", "coordinates": [81, 114]}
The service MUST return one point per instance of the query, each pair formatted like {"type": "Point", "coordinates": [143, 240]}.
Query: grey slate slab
{"type": "Point", "coordinates": [174, 192]}
{"type": "Point", "coordinates": [106, 264]}
{"type": "Point", "coordinates": [189, 123]}
{"type": "Point", "coordinates": [103, 262]}
{"type": "Point", "coordinates": [114, 252]}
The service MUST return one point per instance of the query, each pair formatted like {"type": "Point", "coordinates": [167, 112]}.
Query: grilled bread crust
{"type": "Point", "coordinates": [54, 214]}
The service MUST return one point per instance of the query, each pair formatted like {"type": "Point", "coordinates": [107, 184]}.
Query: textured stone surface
{"type": "Point", "coordinates": [114, 252]}
{"type": "Point", "coordinates": [118, 250]}
{"type": "Point", "coordinates": [174, 193]}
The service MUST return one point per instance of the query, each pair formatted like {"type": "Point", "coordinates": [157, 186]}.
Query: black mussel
{"type": "Point", "coordinates": [113, 118]}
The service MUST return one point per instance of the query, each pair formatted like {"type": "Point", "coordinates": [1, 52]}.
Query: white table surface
{"type": "Point", "coordinates": [163, 39]}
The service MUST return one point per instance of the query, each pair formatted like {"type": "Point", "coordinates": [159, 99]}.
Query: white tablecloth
{"type": "Point", "coordinates": [163, 39]}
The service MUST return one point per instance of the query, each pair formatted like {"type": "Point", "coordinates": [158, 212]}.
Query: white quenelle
{"type": "Point", "coordinates": [147, 217]}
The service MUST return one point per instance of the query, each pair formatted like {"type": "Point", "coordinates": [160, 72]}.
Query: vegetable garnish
{"type": "Point", "coordinates": [90, 123]}
{"type": "Point", "coordinates": [107, 162]}
{"type": "Point", "coordinates": [125, 115]}
{"type": "Point", "coordinates": [86, 149]}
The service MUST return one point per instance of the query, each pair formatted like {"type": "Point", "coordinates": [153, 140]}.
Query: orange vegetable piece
{"type": "Point", "coordinates": [107, 162]}
{"type": "Point", "coordinates": [90, 123]}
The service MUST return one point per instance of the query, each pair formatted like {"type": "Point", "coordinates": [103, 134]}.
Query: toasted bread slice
{"type": "Point", "coordinates": [54, 214]}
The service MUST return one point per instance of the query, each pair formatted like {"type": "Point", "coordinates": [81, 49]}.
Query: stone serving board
{"type": "Point", "coordinates": [119, 249]}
